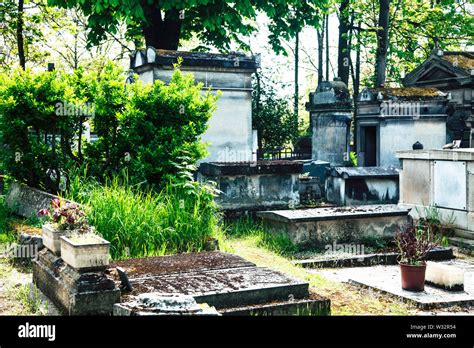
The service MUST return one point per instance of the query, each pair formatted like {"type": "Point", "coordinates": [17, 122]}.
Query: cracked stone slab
{"type": "Point", "coordinates": [181, 263]}
{"type": "Point", "coordinates": [228, 287]}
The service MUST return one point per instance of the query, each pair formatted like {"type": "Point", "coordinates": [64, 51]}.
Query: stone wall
{"type": "Point", "coordinates": [27, 201]}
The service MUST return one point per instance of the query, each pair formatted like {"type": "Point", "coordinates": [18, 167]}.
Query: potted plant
{"type": "Point", "coordinates": [85, 250]}
{"type": "Point", "coordinates": [414, 243]}
{"type": "Point", "coordinates": [64, 217]}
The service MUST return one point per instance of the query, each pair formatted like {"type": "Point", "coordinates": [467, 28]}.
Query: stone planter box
{"type": "Point", "coordinates": [85, 256]}
{"type": "Point", "coordinates": [52, 238]}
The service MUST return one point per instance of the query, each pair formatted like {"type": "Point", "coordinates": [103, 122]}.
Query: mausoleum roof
{"type": "Point", "coordinates": [402, 93]}
{"type": "Point", "coordinates": [199, 59]}
{"type": "Point", "coordinates": [463, 60]}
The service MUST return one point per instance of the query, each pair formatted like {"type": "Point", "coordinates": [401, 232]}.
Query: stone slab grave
{"type": "Point", "coordinates": [71, 291]}
{"type": "Point", "coordinates": [386, 279]}
{"type": "Point", "coordinates": [314, 227]}
{"type": "Point", "coordinates": [227, 282]}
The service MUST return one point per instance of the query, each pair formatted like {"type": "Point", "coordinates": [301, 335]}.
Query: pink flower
{"type": "Point", "coordinates": [56, 203]}
{"type": "Point", "coordinates": [43, 212]}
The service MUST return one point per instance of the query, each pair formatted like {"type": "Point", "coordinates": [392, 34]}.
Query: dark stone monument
{"type": "Point", "coordinates": [330, 108]}
{"type": "Point", "coordinates": [452, 73]}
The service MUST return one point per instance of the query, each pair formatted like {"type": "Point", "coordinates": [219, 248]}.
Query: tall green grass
{"type": "Point", "coordinates": [248, 228]}
{"type": "Point", "coordinates": [139, 222]}
{"type": "Point", "coordinates": [4, 214]}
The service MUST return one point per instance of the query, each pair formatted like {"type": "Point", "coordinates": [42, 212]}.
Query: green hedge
{"type": "Point", "coordinates": [141, 128]}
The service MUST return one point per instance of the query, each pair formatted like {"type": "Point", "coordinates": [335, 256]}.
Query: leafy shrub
{"type": "Point", "coordinates": [143, 128]}
{"type": "Point", "coordinates": [158, 124]}
{"type": "Point", "coordinates": [183, 217]}
{"type": "Point", "coordinates": [36, 143]}
{"type": "Point", "coordinates": [414, 244]}
{"type": "Point", "coordinates": [272, 116]}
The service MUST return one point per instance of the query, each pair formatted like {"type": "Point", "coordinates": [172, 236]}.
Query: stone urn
{"type": "Point", "coordinates": [52, 238]}
{"type": "Point", "coordinates": [90, 254]}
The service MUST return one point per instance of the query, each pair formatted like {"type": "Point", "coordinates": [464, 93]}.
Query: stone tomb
{"type": "Point", "coordinates": [393, 119]}
{"type": "Point", "coordinates": [362, 185]}
{"type": "Point", "coordinates": [386, 279]}
{"type": "Point", "coordinates": [330, 109]}
{"type": "Point", "coordinates": [255, 185]}
{"type": "Point", "coordinates": [230, 136]}
{"type": "Point", "coordinates": [443, 179]}
{"type": "Point", "coordinates": [319, 226]}
{"type": "Point", "coordinates": [227, 282]}
{"type": "Point", "coordinates": [74, 292]}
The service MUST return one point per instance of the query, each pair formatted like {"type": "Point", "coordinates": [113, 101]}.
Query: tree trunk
{"type": "Point", "coordinates": [162, 33]}
{"type": "Point", "coordinates": [343, 52]}
{"type": "Point", "coordinates": [257, 109]}
{"type": "Point", "coordinates": [297, 44]}
{"type": "Point", "coordinates": [382, 43]}
{"type": "Point", "coordinates": [19, 35]}
{"type": "Point", "coordinates": [320, 33]}
{"type": "Point", "coordinates": [327, 48]}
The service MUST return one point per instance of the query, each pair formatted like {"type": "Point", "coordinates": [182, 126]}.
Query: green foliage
{"type": "Point", "coordinates": [217, 23]}
{"type": "Point", "coordinates": [353, 158]}
{"type": "Point", "coordinates": [183, 217]}
{"type": "Point", "coordinates": [4, 214]}
{"type": "Point", "coordinates": [158, 124]}
{"type": "Point", "coordinates": [430, 218]}
{"type": "Point", "coordinates": [36, 142]}
{"type": "Point", "coordinates": [416, 26]}
{"type": "Point", "coordinates": [31, 300]}
{"type": "Point", "coordinates": [276, 242]}
{"type": "Point", "coordinates": [141, 127]}
{"type": "Point", "coordinates": [272, 116]}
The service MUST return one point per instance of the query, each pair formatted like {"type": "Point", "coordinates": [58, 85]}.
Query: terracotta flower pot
{"type": "Point", "coordinates": [413, 277]}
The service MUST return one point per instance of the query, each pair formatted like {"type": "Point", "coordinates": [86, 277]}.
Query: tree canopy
{"type": "Point", "coordinates": [163, 23]}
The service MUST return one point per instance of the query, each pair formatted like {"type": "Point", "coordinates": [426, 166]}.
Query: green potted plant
{"type": "Point", "coordinates": [63, 218]}
{"type": "Point", "coordinates": [414, 243]}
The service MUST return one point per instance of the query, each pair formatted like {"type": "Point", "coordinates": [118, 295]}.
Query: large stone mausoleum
{"type": "Point", "coordinates": [230, 136]}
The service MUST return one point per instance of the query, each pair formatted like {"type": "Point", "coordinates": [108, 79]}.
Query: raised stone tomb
{"type": "Point", "coordinates": [227, 282]}
{"type": "Point", "coordinates": [315, 227]}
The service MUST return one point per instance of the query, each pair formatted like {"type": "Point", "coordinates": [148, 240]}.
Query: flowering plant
{"type": "Point", "coordinates": [414, 243]}
{"type": "Point", "coordinates": [66, 215]}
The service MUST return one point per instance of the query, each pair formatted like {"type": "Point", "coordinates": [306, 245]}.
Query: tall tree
{"type": "Point", "coordinates": [297, 60]}
{"type": "Point", "coordinates": [19, 34]}
{"type": "Point", "coordinates": [327, 48]}
{"type": "Point", "coordinates": [343, 51]}
{"type": "Point", "coordinates": [320, 34]}
{"type": "Point", "coordinates": [163, 23]}
{"type": "Point", "coordinates": [382, 43]}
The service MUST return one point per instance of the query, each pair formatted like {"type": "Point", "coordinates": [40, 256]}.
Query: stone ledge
{"type": "Point", "coordinates": [250, 168]}
{"type": "Point", "coordinates": [436, 154]}
{"type": "Point", "coordinates": [333, 213]}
